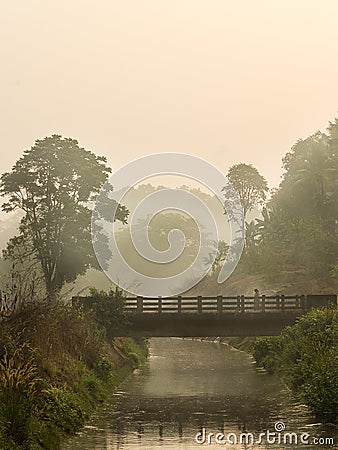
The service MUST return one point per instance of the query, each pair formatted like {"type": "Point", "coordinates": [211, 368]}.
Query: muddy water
{"type": "Point", "coordinates": [189, 389]}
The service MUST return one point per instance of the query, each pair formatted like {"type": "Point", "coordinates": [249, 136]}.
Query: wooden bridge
{"type": "Point", "coordinates": [189, 316]}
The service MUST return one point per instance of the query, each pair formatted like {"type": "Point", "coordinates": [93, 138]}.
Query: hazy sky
{"type": "Point", "coordinates": [229, 81]}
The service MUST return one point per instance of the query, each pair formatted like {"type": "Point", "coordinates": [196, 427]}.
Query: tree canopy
{"type": "Point", "coordinates": [53, 183]}
{"type": "Point", "coordinates": [309, 186]}
{"type": "Point", "coordinates": [298, 228]}
{"type": "Point", "coordinates": [249, 184]}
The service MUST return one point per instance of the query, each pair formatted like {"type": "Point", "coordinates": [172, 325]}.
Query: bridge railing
{"type": "Point", "coordinates": [220, 304]}
{"type": "Point", "coordinates": [216, 304]}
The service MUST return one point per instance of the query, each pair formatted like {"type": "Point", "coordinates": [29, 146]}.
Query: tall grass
{"type": "Point", "coordinates": [56, 364]}
{"type": "Point", "coordinates": [19, 384]}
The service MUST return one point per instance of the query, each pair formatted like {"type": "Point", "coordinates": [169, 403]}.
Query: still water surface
{"type": "Point", "coordinates": [188, 385]}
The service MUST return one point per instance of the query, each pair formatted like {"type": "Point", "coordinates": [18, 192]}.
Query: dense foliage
{"type": "Point", "coordinates": [108, 309]}
{"type": "Point", "coordinates": [56, 364]}
{"type": "Point", "coordinates": [298, 230]}
{"type": "Point", "coordinates": [307, 355]}
{"type": "Point", "coordinates": [53, 184]}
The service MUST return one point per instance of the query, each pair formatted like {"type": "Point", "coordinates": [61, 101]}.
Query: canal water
{"type": "Point", "coordinates": [189, 389]}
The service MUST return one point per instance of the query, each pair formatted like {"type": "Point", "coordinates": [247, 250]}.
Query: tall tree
{"type": "Point", "coordinates": [309, 186]}
{"type": "Point", "coordinates": [53, 183]}
{"type": "Point", "coordinates": [249, 184]}
{"type": "Point", "coordinates": [299, 226]}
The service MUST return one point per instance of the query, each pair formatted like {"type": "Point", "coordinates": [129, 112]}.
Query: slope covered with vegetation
{"type": "Point", "coordinates": [57, 364]}
{"type": "Point", "coordinates": [306, 355]}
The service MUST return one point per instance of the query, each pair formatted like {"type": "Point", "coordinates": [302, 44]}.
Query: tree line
{"type": "Point", "coordinates": [298, 227]}
{"type": "Point", "coordinates": [55, 183]}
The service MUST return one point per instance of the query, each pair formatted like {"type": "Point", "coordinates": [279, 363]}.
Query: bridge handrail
{"type": "Point", "coordinates": [222, 304]}
{"type": "Point", "coordinates": [213, 297]}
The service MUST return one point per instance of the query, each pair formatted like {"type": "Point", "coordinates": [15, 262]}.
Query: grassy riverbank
{"type": "Point", "coordinates": [57, 364]}
{"type": "Point", "coordinates": [305, 355]}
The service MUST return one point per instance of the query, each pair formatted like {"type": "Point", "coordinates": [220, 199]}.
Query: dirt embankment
{"type": "Point", "coordinates": [287, 282]}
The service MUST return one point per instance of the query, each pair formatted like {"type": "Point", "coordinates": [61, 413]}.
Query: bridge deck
{"type": "Point", "coordinates": [207, 324]}
{"type": "Point", "coordinates": [214, 315]}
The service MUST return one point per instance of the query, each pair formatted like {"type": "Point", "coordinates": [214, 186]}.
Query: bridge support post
{"type": "Point", "coordinates": [263, 303]}
{"type": "Point", "coordinates": [277, 301]}
{"type": "Point", "coordinates": [238, 303]}
{"type": "Point", "coordinates": [219, 304]}
{"type": "Point", "coordinates": [302, 303]}
{"type": "Point", "coordinates": [179, 304]}
{"type": "Point", "coordinates": [242, 303]}
{"type": "Point", "coordinates": [297, 301]}
{"type": "Point", "coordinates": [199, 304]}
{"type": "Point", "coordinates": [159, 309]}
{"type": "Point", "coordinates": [140, 304]}
{"type": "Point", "coordinates": [282, 303]}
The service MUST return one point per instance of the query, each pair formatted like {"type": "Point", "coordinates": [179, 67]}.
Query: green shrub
{"type": "Point", "coordinates": [266, 351]}
{"type": "Point", "coordinates": [307, 355]}
{"type": "Point", "coordinates": [135, 359]}
{"type": "Point", "coordinates": [136, 351]}
{"type": "Point", "coordinates": [105, 368]}
{"type": "Point", "coordinates": [62, 408]}
{"type": "Point", "coordinates": [310, 360]}
{"type": "Point", "coordinates": [108, 309]}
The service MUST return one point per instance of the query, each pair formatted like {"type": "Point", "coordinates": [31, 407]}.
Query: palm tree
{"type": "Point", "coordinates": [318, 171]}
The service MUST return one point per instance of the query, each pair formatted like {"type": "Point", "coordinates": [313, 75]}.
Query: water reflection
{"type": "Point", "coordinates": [187, 386]}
